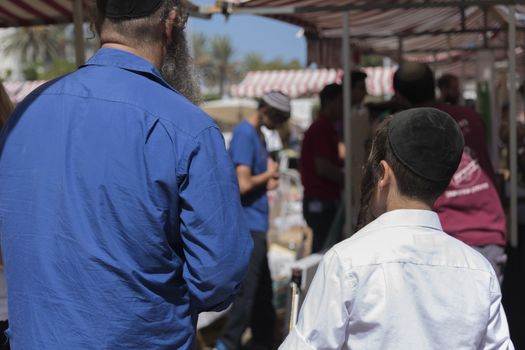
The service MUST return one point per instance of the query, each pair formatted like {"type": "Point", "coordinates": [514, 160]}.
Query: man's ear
{"type": "Point", "coordinates": [263, 110]}
{"type": "Point", "coordinates": [169, 23]}
{"type": "Point", "coordinates": [387, 176]}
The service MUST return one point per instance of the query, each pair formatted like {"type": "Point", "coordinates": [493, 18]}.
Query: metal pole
{"type": "Point", "coordinates": [449, 48]}
{"type": "Point", "coordinates": [78, 19]}
{"type": "Point", "coordinates": [400, 49]}
{"type": "Point", "coordinates": [463, 18]}
{"type": "Point", "coordinates": [513, 133]}
{"type": "Point", "coordinates": [463, 77]}
{"type": "Point", "coordinates": [495, 113]}
{"type": "Point", "coordinates": [347, 122]}
{"type": "Point", "coordinates": [485, 26]}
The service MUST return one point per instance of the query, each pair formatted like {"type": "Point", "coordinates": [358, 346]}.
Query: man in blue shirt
{"type": "Point", "coordinates": [120, 217]}
{"type": "Point", "coordinates": [257, 173]}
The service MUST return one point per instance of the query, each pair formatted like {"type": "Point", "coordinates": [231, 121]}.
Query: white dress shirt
{"type": "Point", "coordinates": [401, 283]}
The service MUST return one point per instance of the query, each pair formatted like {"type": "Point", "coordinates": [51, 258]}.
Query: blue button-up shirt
{"type": "Point", "coordinates": [120, 217]}
{"type": "Point", "coordinates": [247, 149]}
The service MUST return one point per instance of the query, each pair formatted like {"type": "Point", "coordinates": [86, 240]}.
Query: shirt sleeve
{"type": "Point", "coordinates": [242, 148]}
{"type": "Point", "coordinates": [216, 240]}
{"type": "Point", "coordinates": [332, 289]}
{"type": "Point", "coordinates": [498, 336]}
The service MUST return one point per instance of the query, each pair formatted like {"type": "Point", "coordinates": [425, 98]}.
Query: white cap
{"type": "Point", "coordinates": [277, 100]}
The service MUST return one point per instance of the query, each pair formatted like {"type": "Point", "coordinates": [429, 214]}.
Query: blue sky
{"type": "Point", "coordinates": [271, 38]}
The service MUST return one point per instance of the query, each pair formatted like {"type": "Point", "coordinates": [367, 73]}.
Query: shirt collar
{"type": "Point", "coordinates": [406, 218]}
{"type": "Point", "coordinates": [126, 60]}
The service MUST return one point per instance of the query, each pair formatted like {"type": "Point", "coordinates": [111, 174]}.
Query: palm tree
{"type": "Point", "coordinates": [201, 55]}
{"type": "Point", "coordinates": [253, 61]}
{"type": "Point", "coordinates": [36, 45]}
{"type": "Point", "coordinates": [222, 52]}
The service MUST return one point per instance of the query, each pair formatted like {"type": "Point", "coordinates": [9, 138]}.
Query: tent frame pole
{"type": "Point", "coordinates": [512, 130]}
{"type": "Point", "coordinates": [347, 123]}
{"type": "Point", "coordinates": [78, 20]}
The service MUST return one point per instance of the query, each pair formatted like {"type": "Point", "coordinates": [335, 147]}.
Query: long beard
{"type": "Point", "coordinates": [178, 68]}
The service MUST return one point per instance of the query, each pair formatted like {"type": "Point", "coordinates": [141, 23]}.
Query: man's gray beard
{"type": "Point", "coordinates": [178, 68]}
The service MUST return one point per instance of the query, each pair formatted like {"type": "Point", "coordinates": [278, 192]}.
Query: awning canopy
{"type": "Point", "coordinates": [307, 82]}
{"type": "Point", "coordinates": [294, 83]}
{"type": "Point", "coordinates": [16, 13]}
{"type": "Point", "coordinates": [425, 30]}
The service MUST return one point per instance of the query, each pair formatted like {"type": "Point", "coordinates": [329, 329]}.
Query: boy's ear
{"type": "Point", "coordinates": [386, 176]}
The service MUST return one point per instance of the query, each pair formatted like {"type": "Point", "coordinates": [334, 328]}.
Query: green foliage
{"type": "Point", "coordinates": [37, 45]}
{"type": "Point", "coordinates": [41, 51]}
{"type": "Point", "coordinates": [55, 69]}
{"type": "Point", "coordinates": [201, 52]}
{"type": "Point", "coordinates": [5, 75]}
{"type": "Point", "coordinates": [58, 68]}
{"type": "Point", "coordinates": [30, 72]}
{"type": "Point", "coordinates": [211, 97]}
{"type": "Point", "coordinates": [372, 60]}
{"type": "Point", "coordinates": [254, 61]}
{"type": "Point", "coordinates": [222, 52]}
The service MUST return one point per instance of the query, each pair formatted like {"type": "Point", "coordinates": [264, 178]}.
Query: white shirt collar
{"type": "Point", "coordinates": [406, 218]}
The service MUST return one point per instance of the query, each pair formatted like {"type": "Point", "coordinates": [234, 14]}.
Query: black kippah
{"type": "Point", "coordinates": [427, 141]}
{"type": "Point", "coordinates": [128, 9]}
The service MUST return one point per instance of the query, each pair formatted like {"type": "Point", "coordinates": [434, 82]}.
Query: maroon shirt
{"type": "Point", "coordinates": [470, 209]}
{"type": "Point", "coordinates": [320, 140]}
{"type": "Point", "coordinates": [474, 133]}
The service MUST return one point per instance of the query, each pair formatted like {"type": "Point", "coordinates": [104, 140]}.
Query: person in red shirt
{"type": "Point", "coordinates": [449, 89]}
{"type": "Point", "coordinates": [474, 133]}
{"type": "Point", "coordinates": [414, 86]}
{"type": "Point", "coordinates": [470, 209]}
{"type": "Point", "coordinates": [321, 166]}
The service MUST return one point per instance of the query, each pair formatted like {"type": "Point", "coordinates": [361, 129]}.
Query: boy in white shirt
{"type": "Point", "coordinates": [401, 282]}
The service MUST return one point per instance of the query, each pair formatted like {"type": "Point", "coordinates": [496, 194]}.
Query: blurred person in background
{"type": "Point", "coordinates": [450, 91]}
{"type": "Point", "coordinates": [257, 173]}
{"type": "Point", "coordinates": [321, 166]}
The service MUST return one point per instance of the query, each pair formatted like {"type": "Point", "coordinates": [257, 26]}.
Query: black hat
{"type": "Point", "coordinates": [427, 141]}
{"type": "Point", "coordinates": [128, 9]}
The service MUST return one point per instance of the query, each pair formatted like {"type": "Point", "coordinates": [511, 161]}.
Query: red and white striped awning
{"type": "Point", "coordinates": [17, 13]}
{"type": "Point", "coordinates": [380, 80]}
{"type": "Point", "coordinates": [14, 13]}
{"type": "Point", "coordinates": [307, 82]}
{"type": "Point", "coordinates": [18, 90]}
{"type": "Point", "coordinates": [294, 83]}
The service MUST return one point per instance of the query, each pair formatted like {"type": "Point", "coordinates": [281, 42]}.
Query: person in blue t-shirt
{"type": "Point", "coordinates": [120, 216]}
{"type": "Point", "coordinates": [257, 173]}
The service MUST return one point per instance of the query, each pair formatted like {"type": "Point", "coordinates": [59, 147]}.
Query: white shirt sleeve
{"type": "Point", "coordinates": [324, 315]}
{"type": "Point", "coordinates": [497, 337]}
